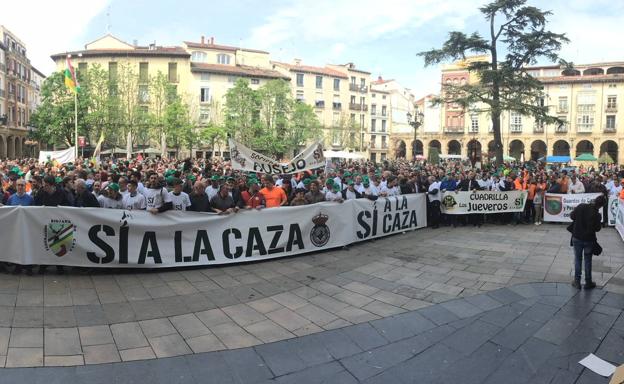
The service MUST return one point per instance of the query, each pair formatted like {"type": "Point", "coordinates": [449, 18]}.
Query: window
{"type": "Point", "coordinates": [363, 83]}
{"type": "Point", "coordinates": [585, 112]}
{"type": "Point", "coordinates": [611, 102]}
{"type": "Point", "coordinates": [563, 127]}
{"type": "Point", "coordinates": [373, 109]}
{"type": "Point", "coordinates": [143, 72]}
{"type": "Point", "coordinates": [352, 99]}
{"type": "Point", "coordinates": [255, 81]}
{"type": "Point", "coordinates": [362, 119]}
{"type": "Point", "coordinates": [384, 142]}
{"type": "Point", "coordinates": [383, 125]}
{"type": "Point", "coordinates": [112, 71]}
{"type": "Point", "coordinates": [300, 97]}
{"type": "Point", "coordinates": [204, 95]}
{"type": "Point", "coordinates": [383, 110]}
{"type": "Point", "coordinates": [612, 85]}
{"type": "Point", "coordinates": [563, 104]}
{"type": "Point", "coordinates": [383, 97]}
{"type": "Point", "coordinates": [516, 122]}
{"type": "Point", "coordinates": [319, 82]}
{"type": "Point", "coordinates": [336, 137]}
{"type": "Point", "coordinates": [610, 124]}
{"type": "Point", "coordinates": [336, 84]}
{"type": "Point", "coordinates": [299, 79]}
{"type": "Point", "coordinates": [474, 124]}
{"type": "Point", "coordinates": [173, 72]}
{"type": "Point", "coordinates": [232, 79]}
{"type": "Point", "coordinates": [352, 118]}
{"type": "Point", "coordinates": [373, 125]}
{"type": "Point", "coordinates": [82, 68]}
{"type": "Point", "coordinates": [199, 57]}
{"type": "Point", "coordinates": [143, 93]}
{"type": "Point", "coordinates": [204, 113]}
{"type": "Point", "coordinates": [372, 141]}
{"type": "Point", "coordinates": [205, 77]}
{"type": "Point", "coordinates": [223, 59]}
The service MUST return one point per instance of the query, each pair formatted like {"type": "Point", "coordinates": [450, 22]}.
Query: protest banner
{"type": "Point", "coordinates": [619, 219]}
{"type": "Point", "coordinates": [246, 159]}
{"type": "Point", "coordinates": [461, 203]}
{"type": "Point", "coordinates": [62, 157]}
{"type": "Point", "coordinates": [614, 204]}
{"type": "Point", "coordinates": [96, 237]}
{"type": "Point", "coordinates": [558, 207]}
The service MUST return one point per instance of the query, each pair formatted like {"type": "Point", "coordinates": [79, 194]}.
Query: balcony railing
{"type": "Point", "coordinates": [453, 129]}
{"type": "Point", "coordinates": [384, 145]}
{"type": "Point", "coordinates": [538, 129]}
{"type": "Point", "coordinates": [584, 128]}
{"type": "Point", "coordinates": [561, 110]}
{"type": "Point", "coordinates": [337, 106]}
{"type": "Point", "coordinates": [319, 104]}
{"type": "Point", "coordinates": [561, 129]}
{"type": "Point", "coordinates": [611, 109]}
{"type": "Point", "coordinates": [358, 107]}
{"type": "Point", "coordinates": [358, 88]}
{"type": "Point", "coordinates": [610, 128]}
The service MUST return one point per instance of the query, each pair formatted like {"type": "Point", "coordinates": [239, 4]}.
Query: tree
{"type": "Point", "coordinates": [161, 95]}
{"type": "Point", "coordinates": [303, 126]}
{"type": "Point", "coordinates": [503, 83]}
{"type": "Point", "coordinates": [177, 124]}
{"type": "Point", "coordinates": [103, 116]}
{"type": "Point", "coordinates": [54, 118]}
{"type": "Point", "coordinates": [434, 155]}
{"type": "Point", "coordinates": [242, 112]}
{"type": "Point", "coordinates": [213, 133]}
{"type": "Point", "coordinates": [276, 104]}
{"type": "Point", "coordinates": [345, 133]}
{"type": "Point", "coordinates": [125, 87]}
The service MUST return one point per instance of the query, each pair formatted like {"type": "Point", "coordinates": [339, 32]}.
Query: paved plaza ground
{"type": "Point", "coordinates": [425, 306]}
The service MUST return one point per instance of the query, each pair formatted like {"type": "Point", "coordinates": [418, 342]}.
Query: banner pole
{"type": "Point", "coordinates": [76, 122]}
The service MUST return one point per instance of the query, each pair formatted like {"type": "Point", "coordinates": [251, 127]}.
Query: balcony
{"type": "Point", "coordinates": [584, 128]}
{"type": "Point", "coordinates": [538, 129]}
{"type": "Point", "coordinates": [562, 110]}
{"type": "Point", "coordinates": [611, 109]}
{"type": "Point", "coordinates": [319, 104]}
{"type": "Point", "coordinates": [453, 129]}
{"type": "Point", "coordinates": [337, 106]}
{"type": "Point", "coordinates": [561, 129]}
{"type": "Point", "coordinates": [610, 129]}
{"type": "Point", "coordinates": [384, 145]}
{"type": "Point", "coordinates": [358, 88]}
{"type": "Point", "coordinates": [358, 107]}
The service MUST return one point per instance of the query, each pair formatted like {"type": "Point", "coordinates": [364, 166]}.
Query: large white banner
{"type": "Point", "coordinates": [98, 237]}
{"type": "Point", "coordinates": [619, 219]}
{"type": "Point", "coordinates": [461, 203]}
{"type": "Point", "coordinates": [246, 159]}
{"type": "Point", "coordinates": [613, 207]}
{"type": "Point", "coordinates": [558, 207]}
{"type": "Point", "coordinates": [65, 156]}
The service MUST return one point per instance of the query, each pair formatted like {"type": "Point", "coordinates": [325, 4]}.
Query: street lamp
{"type": "Point", "coordinates": [417, 122]}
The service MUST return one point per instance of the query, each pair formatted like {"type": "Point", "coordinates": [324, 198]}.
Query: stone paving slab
{"type": "Point", "coordinates": [129, 315]}
{"type": "Point", "coordinates": [403, 348]}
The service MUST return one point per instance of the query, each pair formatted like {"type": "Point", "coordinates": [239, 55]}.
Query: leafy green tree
{"type": "Point", "coordinates": [519, 32]}
{"type": "Point", "coordinates": [104, 114]}
{"type": "Point", "coordinates": [303, 127]}
{"type": "Point", "coordinates": [213, 134]}
{"type": "Point", "coordinates": [434, 155]}
{"type": "Point", "coordinates": [160, 96]}
{"type": "Point", "coordinates": [125, 85]}
{"type": "Point", "coordinates": [276, 104]}
{"type": "Point", "coordinates": [345, 133]}
{"type": "Point", "coordinates": [242, 112]}
{"type": "Point", "coordinates": [54, 118]}
{"type": "Point", "coordinates": [178, 126]}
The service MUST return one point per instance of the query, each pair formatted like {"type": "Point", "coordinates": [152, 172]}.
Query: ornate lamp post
{"type": "Point", "coordinates": [416, 123]}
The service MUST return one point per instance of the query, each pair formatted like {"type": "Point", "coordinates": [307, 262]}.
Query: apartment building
{"type": "Point", "coordinates": [587, 98]}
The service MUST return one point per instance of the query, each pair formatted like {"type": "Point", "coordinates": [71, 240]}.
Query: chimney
{"type": "Point", "coordinates": [297, 62]}
{"type": "Point", "coordinates": [212, 41]}
{"type": "Point", "coordinates": [379, 78]}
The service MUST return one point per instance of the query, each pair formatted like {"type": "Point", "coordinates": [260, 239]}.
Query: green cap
{"type": "Point", "coordinates": [306, 181]}
{"type": "Point", "coordinates": [114, 187]}
{"type": "Point", "coordinates": [215, 178]}
{"type": "Point", "coordinates": [58, 180]}
{"type": "Point", "coordinates": [346, 174]}
{"type": "Point", "coordinates": [350, 182]}
{"type": "Point", "coordinates": [191, 177]}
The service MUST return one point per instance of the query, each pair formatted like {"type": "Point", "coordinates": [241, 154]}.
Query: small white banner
{"type": "Point", "coordinates": [461, 203]}
{"type": "Point", "coordinates": [63, 157]}
{"type": "Point", "coordinates": [614, 203]}
{"type": "Point", "coordinates": [619, 220]}
{"type": "Point", "coordinates": [246, 159]}
{"type": "Point", "coordinates": [558, 207]}
{"type": "Point", "coordinates": [98, 237]}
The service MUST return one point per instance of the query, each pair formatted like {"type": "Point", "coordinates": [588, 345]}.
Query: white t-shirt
{"type": "Point", "coordinates": [211, 192]}
{"type": "Point", "coordinates": [136, 202]}
{"type": "Point", "coordinates": [350, 195]}
{"type": "Point", "coordinates": [156, 198]}
{"type": "Point", "coordinates": [437, 196]}
{"type": "Point", "coordinates": [333, 196]}
{"type": "Point", "coordinates": [393, 191]}
{"type": "Point", "coordinates": [180, 202]}
{"type": "Point", "coordinates": [107, 202]}
{"type": "Point", "coordinates": [359, 187]}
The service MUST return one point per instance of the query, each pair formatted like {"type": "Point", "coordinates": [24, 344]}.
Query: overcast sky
{"type": "Point", "coordinates": [381, 37]}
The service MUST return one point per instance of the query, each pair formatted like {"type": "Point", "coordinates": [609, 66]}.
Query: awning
{"type": "Point", "coordinates": [556, 159]}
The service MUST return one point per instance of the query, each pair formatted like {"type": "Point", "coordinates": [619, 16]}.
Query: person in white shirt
{"type": "Point", "coordinates": [133, 200]}
{"type": "Point", "coordinates": [616, 189]}
{"type": "Point", "coordinates": [111, 198]}
{"type": "Point", "coordinates": [123, 186]}
{"type": "Point", "coordinates": [213, 188]}
{"type": "Point", "coordinates": [180, 200]}
{"type": "Point", "coordinates": [435, 198]}
{"type": "Point", "coordinates": [334, 194]}
{"type": "Point", "coordinates": [157, 197]}
{"type": "Point", "coordinates": [390, 189]}
{"type": "Point", "coordinates": [358, 186]}
{"type": "Point", "coordinates": [575, 185]}
{"type": "Point", "coordinates": [368, 190]}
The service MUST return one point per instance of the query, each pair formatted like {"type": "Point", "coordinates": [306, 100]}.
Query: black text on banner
{"type": "Point", "coordinates": [467, 202]}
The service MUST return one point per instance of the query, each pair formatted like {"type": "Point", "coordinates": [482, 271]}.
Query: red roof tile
{"type": "Point", "coordinates": [310, 69]}
{"type": "Point", "coordinates": [138, 51]}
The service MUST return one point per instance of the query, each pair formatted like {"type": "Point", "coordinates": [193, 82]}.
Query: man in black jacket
{"type": "Point", "coordinates": [84, 198]}
{"type": "Point", "coordinates": [586, 221]}
{"type": "Point", "coordinates": [52, 195]}
{"type": "Point", "coordinates": [467, 185]}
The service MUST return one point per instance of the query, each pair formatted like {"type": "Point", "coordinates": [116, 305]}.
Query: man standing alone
{"type": "Point", "coordinates": [586, 222]}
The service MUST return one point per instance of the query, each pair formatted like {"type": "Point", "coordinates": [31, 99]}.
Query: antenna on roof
{"type": "Point", "coordinates": [108, 20]}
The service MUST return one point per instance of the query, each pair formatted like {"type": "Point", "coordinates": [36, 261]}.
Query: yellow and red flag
{"type": "Point", "coordinates": [70, 77]}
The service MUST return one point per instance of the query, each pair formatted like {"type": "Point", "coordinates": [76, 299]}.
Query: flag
{"type": "Point", "coordinates": [98, 147]}
{"type": "Point", "coordinates": [70, 78]}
